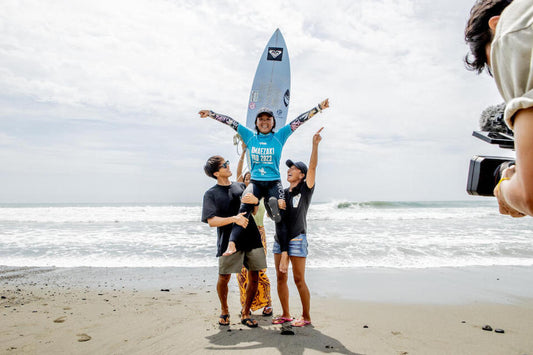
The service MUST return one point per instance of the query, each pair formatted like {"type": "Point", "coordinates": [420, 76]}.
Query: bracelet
{"type": "Point", "coordinates": [319, 108]}
{"type": "Point", "coordinates": [499, 183]}
{"type": "Point", "coordinates": [503, 179]}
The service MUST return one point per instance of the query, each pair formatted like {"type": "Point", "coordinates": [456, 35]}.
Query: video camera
{"type": "Point", "coordinates": [485, 171]}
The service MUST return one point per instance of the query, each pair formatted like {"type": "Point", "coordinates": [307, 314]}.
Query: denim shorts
{"type": "Point", "coordinates": [297, 246]}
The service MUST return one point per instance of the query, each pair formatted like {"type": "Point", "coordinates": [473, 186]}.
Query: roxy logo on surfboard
{"type": "Point", "coordinates": [275, 53]}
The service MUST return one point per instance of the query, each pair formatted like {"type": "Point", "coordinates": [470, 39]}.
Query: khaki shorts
{"type": "Point", "coordinates": [253, 260]}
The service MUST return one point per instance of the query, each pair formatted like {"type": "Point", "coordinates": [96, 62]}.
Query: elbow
{"type": "Point", "coordinates": [211, 222]}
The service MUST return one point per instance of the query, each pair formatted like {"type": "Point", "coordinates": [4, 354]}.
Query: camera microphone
{"type": "Point", "coordinates": [485, 171]}
{"type": "Point", "coordinates": [491, 120]}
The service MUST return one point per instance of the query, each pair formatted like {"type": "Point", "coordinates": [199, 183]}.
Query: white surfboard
{"type": "Point", "coordinates": [272, 82]}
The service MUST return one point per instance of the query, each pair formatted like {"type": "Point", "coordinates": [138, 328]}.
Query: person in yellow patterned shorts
{"type": "Point", "coordinates": [262, 298]}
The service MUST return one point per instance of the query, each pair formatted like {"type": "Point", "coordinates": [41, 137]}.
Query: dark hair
{"type": "Point", "coordinates": [213, 165]}
{"type": "Point", "coordinates": [257, 128]}
{"type": "Point", "coordinates": [477, 31]}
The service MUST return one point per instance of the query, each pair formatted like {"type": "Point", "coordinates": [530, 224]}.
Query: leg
{"type": "Point", "coordinates": [277, 193]}
{"type": "Point", "coordinates": [253, 277]}
{"type": "Point", "coordinates": [222, 291]}
{"type": "Point", "coordinates": [242, 279]}
{"type": "Point", "coordinates": [298, 272]}
{"type": "Point", "coordinates": [282, 233]}
{"type": "Point", "coordinates": [251, 290]}
{"type": "Point", "coordinates": [283, 289]}
{"type": "Point", "coordinates": [237, 230]}
{"type": "Point", "coordinates": [263, 279]}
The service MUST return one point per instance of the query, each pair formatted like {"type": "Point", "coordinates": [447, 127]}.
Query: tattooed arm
{"type": "Point", "coordinates": [298, 121]}
{"type": "Point", "coordinates": [220, 118]}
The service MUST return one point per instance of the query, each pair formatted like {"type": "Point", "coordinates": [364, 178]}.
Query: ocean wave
{"type": "Point", "coordinates": [411, 204]}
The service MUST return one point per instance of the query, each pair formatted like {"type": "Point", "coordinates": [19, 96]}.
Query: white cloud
{"type": "Point", "coordinates": [113, 89]}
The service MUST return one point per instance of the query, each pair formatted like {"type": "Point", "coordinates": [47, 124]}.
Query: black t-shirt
{"type": "Point", "coordinates": [224, 201]}
{"type": "Point", "coordinates": [298, 201]}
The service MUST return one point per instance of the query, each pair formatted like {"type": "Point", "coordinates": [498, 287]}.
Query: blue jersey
{"type": "Point", "coordinates": [264, 151]}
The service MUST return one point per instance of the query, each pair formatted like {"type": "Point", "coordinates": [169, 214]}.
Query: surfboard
{"type": "Point", "coordinates": [271, 87]}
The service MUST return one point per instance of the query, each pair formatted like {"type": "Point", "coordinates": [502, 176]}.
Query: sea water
{"type": "Point", "coordinates": [340, 234]}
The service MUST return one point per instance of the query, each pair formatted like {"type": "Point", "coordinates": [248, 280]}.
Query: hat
{"type": "Point", "coordinates": [299, 165]}
{"type": "Point", "coordinates": [266, 111]}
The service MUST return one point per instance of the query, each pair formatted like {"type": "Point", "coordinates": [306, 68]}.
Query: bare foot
{"type": "Point", "coordinates": [231, 249]}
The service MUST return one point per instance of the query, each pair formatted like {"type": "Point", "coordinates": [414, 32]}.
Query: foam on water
{"type": "Point", "coordinates": [341, 234]}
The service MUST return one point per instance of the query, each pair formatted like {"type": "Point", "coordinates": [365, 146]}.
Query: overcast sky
{"type": "Point", "coordinates": [99, 99]}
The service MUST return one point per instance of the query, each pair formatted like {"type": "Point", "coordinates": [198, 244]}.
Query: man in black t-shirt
{"type": "Point", "coordinates": [298, 198]}
{"type": "Point", "coordinates": [221, 209]}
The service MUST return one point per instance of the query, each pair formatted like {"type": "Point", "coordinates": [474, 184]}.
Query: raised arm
{"type": "Point", "coordinates": [220, 118]}
{"type": "Point", "coordinates": [304, 117]}
{"type": "Point", "coordinates": [313, 161]}
{"type": "Point", "coordinates": [240, 176]}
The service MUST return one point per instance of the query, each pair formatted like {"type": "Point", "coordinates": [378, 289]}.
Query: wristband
{"type": "Point", "coordinates": [499, 183]}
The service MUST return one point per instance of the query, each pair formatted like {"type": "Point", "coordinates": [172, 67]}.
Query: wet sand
{"type": "Point", "coordinates": [355, 311]}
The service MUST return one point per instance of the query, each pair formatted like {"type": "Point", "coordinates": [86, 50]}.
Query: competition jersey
{"type": "Point", "coordinates": [264, 151]}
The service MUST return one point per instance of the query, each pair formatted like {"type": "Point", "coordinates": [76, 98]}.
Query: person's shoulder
{"type": "Point", "coordinates": [284, 130]}
{"type": "Point", "coordinates": [238, 185]}
{"type": "Point", "coordinates": [212, 188]}
{"type": "Point", "coordinates": [307, 188]}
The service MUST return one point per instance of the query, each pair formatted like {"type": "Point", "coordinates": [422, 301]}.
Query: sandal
{"type": "Point", "coordinates": [223, 319]}
{"type": "Point", "coordinates": [301, 323]}
{"type": "Point", "coordinates": [267, 311]}
{"type": "Point", "coordinates": [281, 320]}
{"type": "Point", "coordinates": [249, 322]}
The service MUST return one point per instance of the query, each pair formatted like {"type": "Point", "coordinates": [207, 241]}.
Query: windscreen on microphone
{"type": "Point", "coordinates": [491, 120]}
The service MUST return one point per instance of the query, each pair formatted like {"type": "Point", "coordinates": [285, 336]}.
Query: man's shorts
{"type": "Point", "coordinates": [297, 246]}
{"type": "Point", "coordinates": [253, 260]}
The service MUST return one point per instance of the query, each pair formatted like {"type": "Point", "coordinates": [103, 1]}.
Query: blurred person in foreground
{"type": "Point", "coordinates": [500, 36]}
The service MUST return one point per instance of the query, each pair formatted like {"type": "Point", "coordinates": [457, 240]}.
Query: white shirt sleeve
{"type": "Point", "coordinates": [512, 57]}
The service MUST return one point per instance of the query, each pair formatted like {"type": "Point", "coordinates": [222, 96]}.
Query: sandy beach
{"type": "Point", "coordinates": [355, 311]}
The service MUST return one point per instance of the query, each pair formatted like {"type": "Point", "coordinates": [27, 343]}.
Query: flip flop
{"type": "Point", "coordinates": [269, 313]}
{"type": "Point", "coordinates": [225, 317]}
{"type": "Point", "coordinates": [281, 320]}
{"type": "Point", "coordinates": [301, 323]}
{"type": "Point", "coordinates": [249, 322]}
{"type": "Point", "coordinates": [274, 209]}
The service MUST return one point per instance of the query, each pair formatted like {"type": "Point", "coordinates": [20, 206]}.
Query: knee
{"type": "Point", "coordinates": [299, 281]}
{"type": "Point", "coordinates": [281, 278]}
{"type": "Point", "coordinates": [224, 278]}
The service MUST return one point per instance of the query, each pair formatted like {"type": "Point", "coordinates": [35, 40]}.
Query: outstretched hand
{"type": "Point", "coordinates": [324, 104]}
{"type": "Point", "coordinates": [317, 137]}
{"type": "Point", "coordinates": [204, 113]}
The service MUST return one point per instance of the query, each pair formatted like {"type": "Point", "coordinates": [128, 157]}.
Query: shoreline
{"type": "Point", "coordinates": [440, 285]}
{"type": "Point", "coordinates": [125, 311]}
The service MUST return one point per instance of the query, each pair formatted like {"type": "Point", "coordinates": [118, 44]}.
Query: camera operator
{"type": "Point", "coordinates": [500, 36]}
